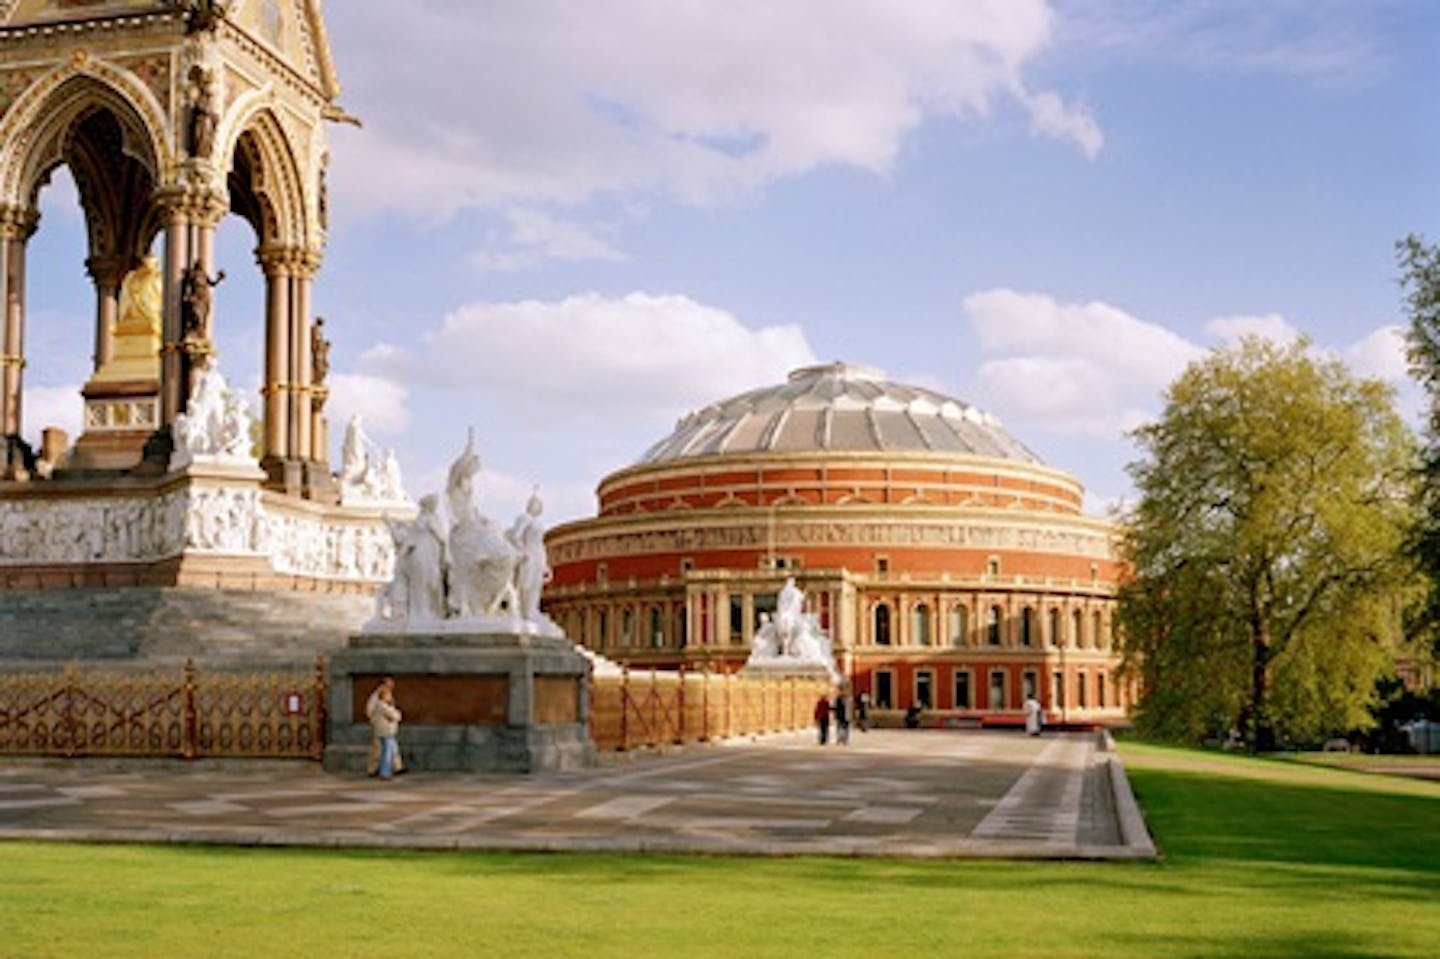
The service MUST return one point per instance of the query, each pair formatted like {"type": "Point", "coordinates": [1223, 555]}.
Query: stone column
{"type": "Point", "coordinates": [300, 363]}
{"type": "Point", "coordinates": [173, 389]}
{"type": "Point", "coordinates": [16, 228]}
{"type": "Point", "coordinates": [276, 390]}
{"type": "Point", "coordinates": [107, 272]}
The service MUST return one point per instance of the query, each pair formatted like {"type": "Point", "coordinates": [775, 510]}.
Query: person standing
{"type": "Point", "coordinates": [822, 718]}
{"type": "Point", "coordinates": [862, 711]}
{"type": "Point", "coordinates": [384, 717]}
{"type": "Point", "coordinates": [841, 710]}
{"type": "Point", "coordinates": [1034, 715]}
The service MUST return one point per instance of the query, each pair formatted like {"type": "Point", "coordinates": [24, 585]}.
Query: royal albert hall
{"type": "Point", "coordinates": [951, 568]}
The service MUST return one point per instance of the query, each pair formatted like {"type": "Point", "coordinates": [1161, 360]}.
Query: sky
{"type": "Point", "coordinates": [568, 224]}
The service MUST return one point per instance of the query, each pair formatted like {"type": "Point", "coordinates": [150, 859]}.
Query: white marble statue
{"type": "Point", "coordinates": [367, 478]}
{"type": "Point", "coordinates": [534, 570]}
{"type": "Point", "coordinates": [473, 576]}
{"type": "Point", "coordinates": [417, 591]}
{"type": "Point", "coordinates": [483, 562]}
{"type": "Point", "coordinates": [216, 425]}
{"type": "Point", "coordinates": [354, 452]}
{"type": "Point", "coordinates": [792, 638]}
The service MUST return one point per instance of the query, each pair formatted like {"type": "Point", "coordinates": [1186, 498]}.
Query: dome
{"type": "Point", "coordinates": [839, 407]}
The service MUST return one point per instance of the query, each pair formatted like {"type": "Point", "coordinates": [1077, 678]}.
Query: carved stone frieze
{"type": "Point", "coordinates": [202, 518]}
{"type": "Point", "coordinates": [960, 535]}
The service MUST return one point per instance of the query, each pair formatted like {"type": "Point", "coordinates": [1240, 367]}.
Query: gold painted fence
{"type": "Point", "coordinates": [659, 707]}
{"type": "Point", "coordinates": [184, 713]}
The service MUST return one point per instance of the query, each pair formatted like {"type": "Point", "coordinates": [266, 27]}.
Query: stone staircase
{"type": "Point", "coordinates": [155, 625]}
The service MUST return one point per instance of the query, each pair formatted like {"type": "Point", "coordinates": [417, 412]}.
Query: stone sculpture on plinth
{"type": "Point", "coordinates": [487, 681]}
{"type": "Point", "coordinates": [791, 642]}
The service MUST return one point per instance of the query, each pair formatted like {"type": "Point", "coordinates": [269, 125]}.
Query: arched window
{"type": "Point", "coordinates": [1077, 623]}
{"type": "Point", "coordinates": [627, 627]}
{"type": "Point", "coordinates": [1055, 626]}
{"type": "Point", "coordinates": [920, 624]}
{"type": "Point", "coordinates": [1097, 630]}
{"type": "Point", "coordinates": [882, 624]}
{"type": "Point", "coordinates": [657, 629]}
{"type": "Point", "coordinates": [957, 625]}
{"type": "Point", "coordinates": [993, 618]}
{"type": "Point", "coordinates": [1027, 626]}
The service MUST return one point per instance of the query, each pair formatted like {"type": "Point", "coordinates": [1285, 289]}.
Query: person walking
{"type": "Point", "coordinates": [384, 718]}
{"type": "Point", "coordinates": [862, 711]}
{"type": "Point", "coordinates": [822, 718]}
{"type": "Point", "coordinates": [841, 709]}
{"type": "Point", "coordinates": [1034, 715]}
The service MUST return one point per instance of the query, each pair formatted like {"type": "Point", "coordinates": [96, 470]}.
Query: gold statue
{"type": "Point", "coordinates": [141, 299]}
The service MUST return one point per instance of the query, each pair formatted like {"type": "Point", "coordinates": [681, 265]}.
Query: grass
{"type": "Point", "coordinates": [1261, 859]}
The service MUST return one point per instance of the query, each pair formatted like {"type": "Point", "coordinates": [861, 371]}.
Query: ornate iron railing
{"type": "Point", "coordinates": [103, 711]}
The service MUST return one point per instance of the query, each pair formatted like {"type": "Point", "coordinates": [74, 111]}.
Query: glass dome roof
{"type": "Point", "coordinates": [838, 407]}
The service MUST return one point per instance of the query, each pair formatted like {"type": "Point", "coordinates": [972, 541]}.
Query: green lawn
{"type": "Point", "coordinates": [1262, 859]}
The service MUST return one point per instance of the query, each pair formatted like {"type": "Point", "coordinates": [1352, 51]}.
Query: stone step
{"type": "Point", "coordinates": [169, 623]}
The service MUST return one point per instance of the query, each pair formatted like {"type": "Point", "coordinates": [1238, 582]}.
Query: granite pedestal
{"type": "Point", "coordinates": [472, 701]}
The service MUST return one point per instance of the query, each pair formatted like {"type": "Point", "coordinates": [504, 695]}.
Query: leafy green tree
{"type": "Point", "coordinates": [1268, 574]}
{"type": "Point", "coordinates": [1420, 279]}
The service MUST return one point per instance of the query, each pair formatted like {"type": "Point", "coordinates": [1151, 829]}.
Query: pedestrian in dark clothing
{"type": "Point", "coordinates": [862, 711]}
{"type": "Point", "coordinates": [841, 710]}
{"type": "Point", "coordinates": [822, 718]}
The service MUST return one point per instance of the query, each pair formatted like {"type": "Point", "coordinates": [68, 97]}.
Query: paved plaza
{"type": "Point", "coordinates": [917, 793]}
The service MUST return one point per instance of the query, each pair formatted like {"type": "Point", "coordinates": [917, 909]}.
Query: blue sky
{"type": "Point", "coordinates": [567, 224]}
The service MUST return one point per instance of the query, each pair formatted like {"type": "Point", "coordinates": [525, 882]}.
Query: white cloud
{"type": "Point", "coordinates": [1051, 116]}
{"type": "Point", "coordinates": [534, 237]}
{"type": "Point", "coordinates": [1381, 355]}
{"type": "Point", "coordinates": [590, 355]}
{"type": "Point", "coordinates": [1269, 326]}
{"type": "Point", "coordinates": [1090, 369]}
{"type": "Point", "coordinates": [60, 406]}
{"type": "Point", "coordinates": [1095, 370]}
{"type": "Point", "coordinates": [379, 401]}
{"type": "Point", "coordinates": [525, 102]}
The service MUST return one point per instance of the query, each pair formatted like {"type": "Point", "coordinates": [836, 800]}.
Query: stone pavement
{"type": "Point", "coordinates": [912, 793]}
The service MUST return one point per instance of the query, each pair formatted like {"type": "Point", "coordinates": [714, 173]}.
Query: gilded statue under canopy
{"type": "Point", "coordinates": [135, 355]}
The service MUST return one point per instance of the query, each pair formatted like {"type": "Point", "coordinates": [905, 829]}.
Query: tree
{"type": "Point", "coordinates": [1421, 282]}
{"type": "Point", "coordinates": [1268, 575]}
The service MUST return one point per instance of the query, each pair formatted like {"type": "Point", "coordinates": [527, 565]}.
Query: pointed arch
{"type": "Point", "coordinates": [33, 131]}
{"type": "Point", "coordinates": [265, 162]}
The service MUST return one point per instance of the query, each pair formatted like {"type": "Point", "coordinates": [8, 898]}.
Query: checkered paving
{"type": "Point", "coordinates": [908, 793]}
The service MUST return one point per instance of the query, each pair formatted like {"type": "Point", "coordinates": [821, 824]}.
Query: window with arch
{"type": "Point", "coordinates": [924, 688]}
{"type": "Point", "coordinates": [960, 682]}
{"type": "Point", "coordinates": [602, 626]}
{"type": "Point", "coordinates": [1027, 626]}
{"type": "Point", "coordinates": [1081, 699]}
{"type": "Point", "coordinates": [657, 627]}
{"type": "Point", "coordinates": [1097, 630]}
{"type": "Point", "coordinates": [994, 617]}
{"type": "Point", "coordinates": [1077, 624]}
{"type": "Point", "coordinates": [882, 624]}
{"type": "Point", "coordinates": [627, 627]}
{"type": "Point", "coordinates": [1055, 637]}
{"type": "Point", "coordinates": [920, 624]}
{"type": "Point", "coordinates": [997, 689]}
{"type": "Point", "coordinates": [957, 625]}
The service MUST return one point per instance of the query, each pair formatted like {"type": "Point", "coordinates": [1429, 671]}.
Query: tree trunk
{"type": "Point", "coordinates": [1262, 738]}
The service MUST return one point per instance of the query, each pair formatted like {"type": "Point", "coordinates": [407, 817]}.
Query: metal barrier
{"type": "Point", "coordinates": [109, 712]}
{"type": "Point", "coordinates": [196, 713]}
{"type": "Point", "coordinates": [659, 707]}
